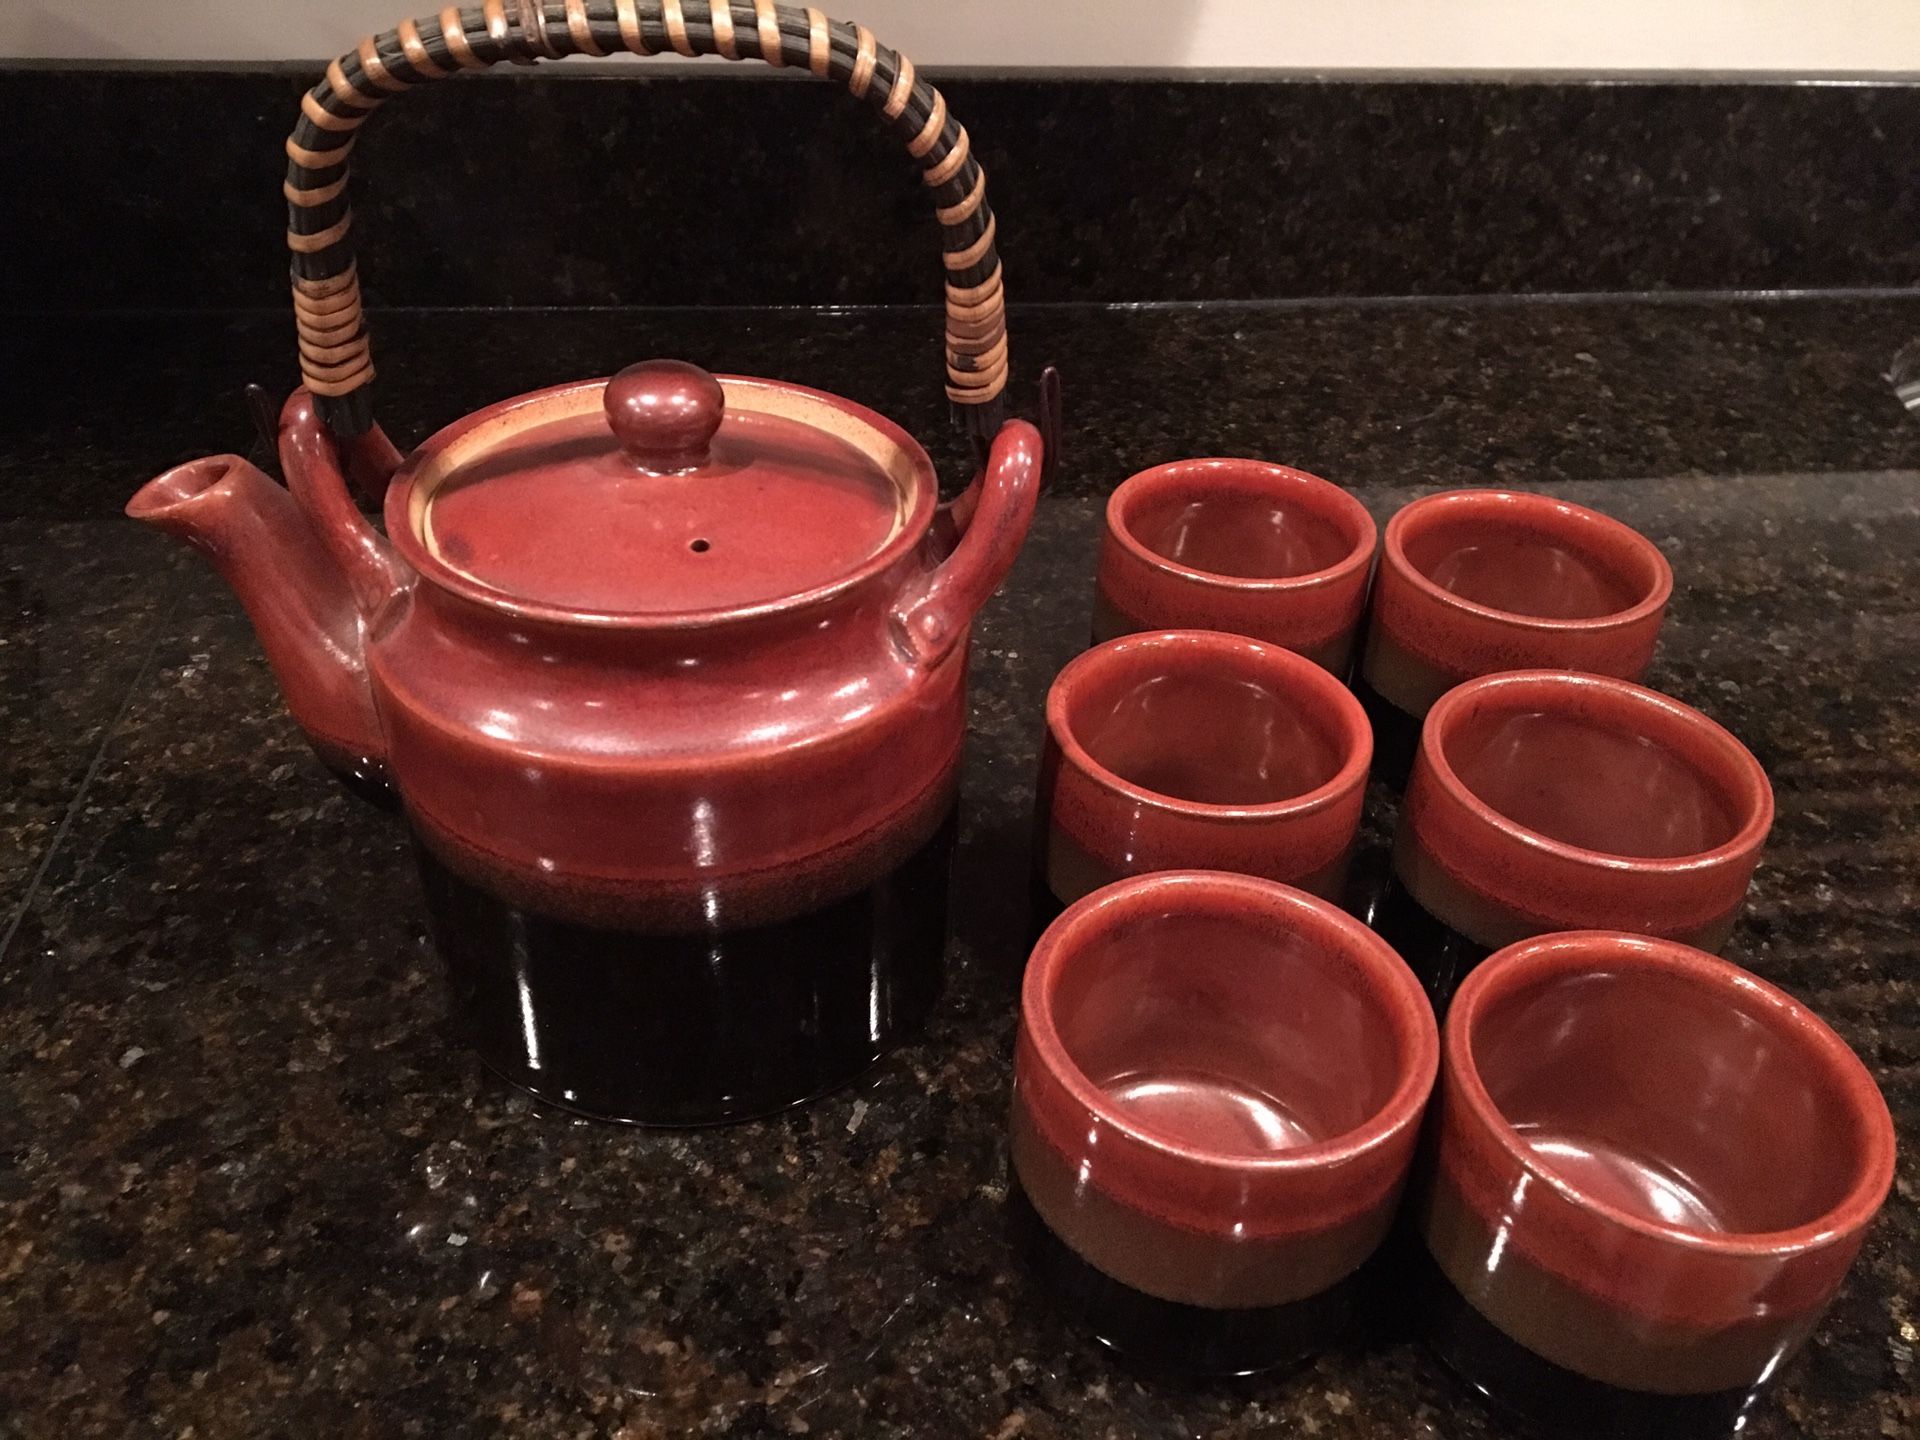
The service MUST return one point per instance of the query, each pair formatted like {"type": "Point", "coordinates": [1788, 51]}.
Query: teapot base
{"type": "Point", "coordinates": [652, 1029]}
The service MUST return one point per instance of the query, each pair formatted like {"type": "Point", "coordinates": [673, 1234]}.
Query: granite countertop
{"type": "Point", "coordinates": [250, 1186]}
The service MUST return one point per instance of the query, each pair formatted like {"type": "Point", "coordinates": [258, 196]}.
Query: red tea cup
{"type": "Point", "coordinates": [1651, 1174]}
{"type": "Point", "coordinates": [1239, 545]}
{"type": "Point", "coordinates": [1217, 1087]}
{"type": "Point", "coordinates": [1195, 749]}
{"type": "Point", "coordinates": [1473, 582]}
{"type": "Point", "coordinates": [1543, 800]}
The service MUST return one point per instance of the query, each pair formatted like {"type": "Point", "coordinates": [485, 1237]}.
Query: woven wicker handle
{"type": "Point", "coordinates": [335, 356]}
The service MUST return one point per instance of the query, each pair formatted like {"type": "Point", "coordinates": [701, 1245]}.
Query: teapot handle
{"type": "Point", "coordinates": [335, 355]}
{"type": "Point", "coordinates": [932, 617]}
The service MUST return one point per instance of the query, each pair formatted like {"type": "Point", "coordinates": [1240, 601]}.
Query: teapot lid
{"type": "Point", "coordinates": [662, 492]}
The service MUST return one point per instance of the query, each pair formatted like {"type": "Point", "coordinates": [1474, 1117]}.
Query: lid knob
{"type": "Point", "coordinates": [665, 413]}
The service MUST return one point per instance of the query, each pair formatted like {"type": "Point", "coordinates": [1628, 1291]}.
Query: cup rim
{"type": "Point", "coordinates": [1573, 952]}
{"type": "Point", "coordinates": [1393, 984]}
{"type": "Point", "coordinates": [1431, 509]}
{"type": "Point", "coordinates": [1664, 711]}
{"type": "Point", "coordinates": [1329, 502]}
{"type": "Point", "coordinates": [1293, 676]}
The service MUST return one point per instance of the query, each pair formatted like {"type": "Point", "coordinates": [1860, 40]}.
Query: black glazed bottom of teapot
{"type": "Point", "coordinates": [693, 1030]}
{"type": "Point", "coordinates": [363, 775]}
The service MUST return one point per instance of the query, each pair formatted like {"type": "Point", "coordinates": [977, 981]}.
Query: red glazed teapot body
{"type": "Point", "coordinates": [666, 671]}
{"type": "Point", "coordinates": [731, 765]}
{"type": "Point", "coordinates": [683, 863]}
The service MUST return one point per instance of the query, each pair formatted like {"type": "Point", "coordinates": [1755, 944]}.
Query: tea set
{"type": "Point", "coordinates": [667, 674]}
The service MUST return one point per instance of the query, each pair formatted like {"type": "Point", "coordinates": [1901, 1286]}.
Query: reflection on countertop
{"type": "Point", "coordinates": [250, 1184]}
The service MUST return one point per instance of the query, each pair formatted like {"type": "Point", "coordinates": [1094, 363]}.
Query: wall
{"type": "Point", "coordinates": [1798, 36]}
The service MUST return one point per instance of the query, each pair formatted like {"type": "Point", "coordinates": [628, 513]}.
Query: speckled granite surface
{"type": "Point", "coordinates": [1436, 392]}
{"type": "Point", "coordinates": [733, 185]}
{"type": "Point", "coordinates": [249, 1186]}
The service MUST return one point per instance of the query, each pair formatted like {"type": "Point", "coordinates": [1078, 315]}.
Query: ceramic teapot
{"type": "Point", "coordinates": [667, 671]}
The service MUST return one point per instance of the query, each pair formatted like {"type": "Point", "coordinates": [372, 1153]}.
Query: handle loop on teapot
{"type": "Point", "coordinates": [335, 351]}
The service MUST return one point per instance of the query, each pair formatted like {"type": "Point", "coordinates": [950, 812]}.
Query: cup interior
{"type": "Point", "coordinates": [1227, 1034]}
{"type": "Point", "coordinates": [1242, 519]}
{"type": "Point", "coordinates": [1244, 535]}
{"type": "Point", "coordinates": [1193, 728]}
{"type": "Point", "coordinates": [1559, 564]}
{"type": "Point", "coordinates": [1609, 787]}
{"type": "Point", "coordinates": [1677, 1101]}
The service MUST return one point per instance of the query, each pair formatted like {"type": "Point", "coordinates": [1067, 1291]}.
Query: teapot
{"type": "Point", "coordinates": [666, 671]}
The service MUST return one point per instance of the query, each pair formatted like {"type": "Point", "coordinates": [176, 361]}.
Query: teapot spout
{"type": "Point", "coordinates": [301, 605]}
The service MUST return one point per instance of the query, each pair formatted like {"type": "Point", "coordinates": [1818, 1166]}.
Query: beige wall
{"type": "Point", "coordinates": [1805, 36]}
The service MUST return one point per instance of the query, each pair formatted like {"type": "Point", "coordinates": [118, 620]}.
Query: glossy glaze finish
{"type": "Point", "coordinates": [1653, 1170]}
{"type": "Point", "coordinates": [665, 414]}
{"type": "Point", "coordinates": [1438, 954]}
{"type": "Point", "coordinates": [303, 1105]}
{"type": "Point", "coordinates": [668, 673]}
{"type": "Point", "coordinates": [732, 1023]}
{"type": "Point", "coordinates": [1472, 582]}
{"type": "Point", "coordinates": [1217, 1086]}
{"type": "Point", "coordinates": [613, 637]}
{"type": "Point", "coordinates": [1543, 800]}
{"type": "Point", "coordinates": [650, 504]}
{"type": "Point", "coordinates": [302, 602]}
{"type": "Point", "coordinates": [1153, 1335]}
{"type": "Point", "coordinates": [1190, 749]}
{"type": "Point", "coordinates": [1245, 546]}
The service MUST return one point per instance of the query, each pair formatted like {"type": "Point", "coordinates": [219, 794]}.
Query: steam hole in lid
{"type": "Point", "coordinates": [700, 547]}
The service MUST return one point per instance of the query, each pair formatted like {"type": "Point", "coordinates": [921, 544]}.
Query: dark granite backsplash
{"type": "Point", "coordinates": [1459, 393]}
{"type": "Point", "coordinates": [162, 190]}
